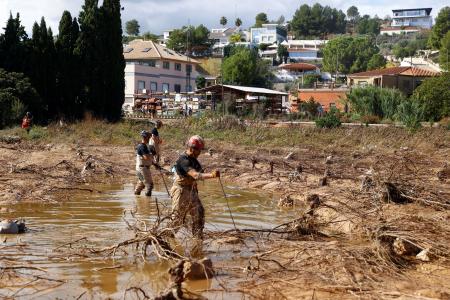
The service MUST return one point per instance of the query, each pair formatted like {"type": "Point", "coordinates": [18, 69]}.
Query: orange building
{"type": "Point", "coordinates": [327, 97]}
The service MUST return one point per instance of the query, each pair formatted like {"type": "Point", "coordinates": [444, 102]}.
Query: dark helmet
{"type": "Point", "coordinates": [145, 133]}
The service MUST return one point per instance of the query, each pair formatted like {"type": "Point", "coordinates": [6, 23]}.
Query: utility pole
{"type": "Point", "coordinates": [188, 71]}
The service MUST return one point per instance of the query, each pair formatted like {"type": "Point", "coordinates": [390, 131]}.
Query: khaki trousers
{"type": "Point", "coordinates": [185, 201]}
{"type": "Point", "coordinates": [144, 181]}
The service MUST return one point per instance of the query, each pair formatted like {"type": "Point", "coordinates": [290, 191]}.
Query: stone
{"type": "Point", "coordinates": [196, 270]}
{"type": "Point", "coordinates": [423, 255]}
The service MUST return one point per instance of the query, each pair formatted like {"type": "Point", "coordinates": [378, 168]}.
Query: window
{"type": "Point", "coordinates": [146, 49]}
{"type": "Point", "coordinates": [152, 63]}
{"type": "Point", "coordinates": [178, 67]}
{"type": "Point", "coordinates": [141, 85]}
{"type": "Point", "coordinates": [165, 87]}
{"type": "Point", "coordinates": [153, 86]}
{"type": "Point", "coordinates": [177, 88]}
{"type": "Point", "coordinates": [188, 69]}
{"type": "Point", "coordinates": [362, 83]}
{"type": "Point", "coordinates": [166, 65]}
{"type": "Point", "coordinates": [127, 50]}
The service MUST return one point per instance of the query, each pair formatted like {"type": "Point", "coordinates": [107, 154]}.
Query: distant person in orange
{"type": "Point", "coordinates": [26, 122]}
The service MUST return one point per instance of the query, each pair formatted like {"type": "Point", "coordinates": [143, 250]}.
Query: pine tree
{"type": "Point", "coordinates": [68, 75]}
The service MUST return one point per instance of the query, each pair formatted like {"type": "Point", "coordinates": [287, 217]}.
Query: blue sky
{"type": "Point", "coordinates": [159, 15]}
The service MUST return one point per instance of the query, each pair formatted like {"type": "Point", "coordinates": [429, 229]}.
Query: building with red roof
{"type": "Point", "coordinates": [405, 79]}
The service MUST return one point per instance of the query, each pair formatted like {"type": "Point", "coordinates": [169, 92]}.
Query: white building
{"type": "Point", "coordinates": [301, 50]}
{"type": "Point", "coordinates": [417, 17]}
{"type": "Point", "coordinates": [268, 34]}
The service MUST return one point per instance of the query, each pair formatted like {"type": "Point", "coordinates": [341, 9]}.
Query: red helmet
{"type": "Point", "coordinates": [196, 142]}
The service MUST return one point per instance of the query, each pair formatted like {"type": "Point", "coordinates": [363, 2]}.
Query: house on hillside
{"type": "Point", "coordinates": [153, 68]}
{"type": "Point", "coordinates": [268, 34]}
{"type": "Point", "coordinates": [405, 79]}
{"type": "Point", "coordinates": [409, 20]}
{"type": "Point", "coordinates": [304, 50]}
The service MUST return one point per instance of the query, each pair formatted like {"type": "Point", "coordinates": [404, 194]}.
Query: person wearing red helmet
{"type": "Point", "coordinates": [184, 191]}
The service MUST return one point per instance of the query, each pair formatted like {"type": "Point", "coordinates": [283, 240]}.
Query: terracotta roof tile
{"type": "Point", "coordinates": [298, 66]}
{"type": "Point", "coordinates": [408, 71]}
{"type": "Point", "coordinates": [141, 50]}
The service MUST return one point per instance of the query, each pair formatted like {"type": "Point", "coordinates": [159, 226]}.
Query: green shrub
{"type": "Point", "coordinates": [329, 120]}
{"type": "Point", "coordinates": [432, 98]}
{"type": "Point", "coordinates": [37, 132]}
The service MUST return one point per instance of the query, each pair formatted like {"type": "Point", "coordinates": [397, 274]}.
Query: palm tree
{"type": "Point", "coordinates": [223, 21]}
{"type": "Point", "coordinates": [238, 22]}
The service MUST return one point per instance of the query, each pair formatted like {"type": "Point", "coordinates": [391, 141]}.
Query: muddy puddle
{"type": "Point", "coordinates": [98, 217]}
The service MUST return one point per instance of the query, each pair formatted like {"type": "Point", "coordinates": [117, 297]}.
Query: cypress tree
{"type": "Point", "coordinates": [42, 68]}
{"type": "Point", "coordinates": [88, 49]}
{"type": "Point", "coordinates": [113, 63]}
{"type": "Point", "coordinates": [13, 48]}
{"type": "Point", "coordinates": [68, 75]}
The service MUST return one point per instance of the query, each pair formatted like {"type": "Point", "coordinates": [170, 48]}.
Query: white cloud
{"type": "Point", "coordinates": [158, 15]}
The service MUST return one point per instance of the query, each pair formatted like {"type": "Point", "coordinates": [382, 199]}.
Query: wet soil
{"type": "Point", "coordinates": [349, 253]}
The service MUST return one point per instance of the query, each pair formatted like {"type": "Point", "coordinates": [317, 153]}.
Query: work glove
{"type": "Point", "coordinates": [215, 174]}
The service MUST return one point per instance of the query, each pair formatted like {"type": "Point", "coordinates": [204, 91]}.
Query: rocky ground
{"type": "Point", "coordinates": [376, 220]}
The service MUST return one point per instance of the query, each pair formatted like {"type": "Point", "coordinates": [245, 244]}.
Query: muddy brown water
{"type": "Point", "coordinates": [98, 217]}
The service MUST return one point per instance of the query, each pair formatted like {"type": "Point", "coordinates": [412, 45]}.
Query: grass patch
{"type": "Point", "coordinates": [218, 131]}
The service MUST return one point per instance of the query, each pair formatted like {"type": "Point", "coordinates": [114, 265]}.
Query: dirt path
{"type": "Point", "coordinates": [356, 241]}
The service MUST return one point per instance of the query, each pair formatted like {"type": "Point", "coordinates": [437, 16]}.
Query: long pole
{"type": "Point", "coordinates": [228, 204]}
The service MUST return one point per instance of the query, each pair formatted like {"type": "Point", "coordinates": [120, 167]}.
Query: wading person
{"type": "Point", "coordinates": [184, 191]}
{"type": "Point", "coordinates": [144, 159]}
{"type": "Point", "coordinates": [26, 121]}
{"type": "Point", "coordinates": [156, 141]}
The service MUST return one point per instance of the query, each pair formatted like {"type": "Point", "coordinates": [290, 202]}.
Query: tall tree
{"type": "Point", "coordinates": [89, 50]}
{"type": "Point", "coordinates": [198, 38]}
{"type": "Point", "coordinates": [352, 13]}
{"type": "Point", "coordinates": [223, 21]}
{"type": "Point", "coordinates": [114, 62]}
{"type": "Point", "coordinates": [260, 19]}
{"type": "Point", "coordinates": [440, 28]}
{"type": "Point", "coordinates": [132, 27]}
{"type": "Point", "coordinates": [349, 54]}
{"type": "Point", "coordinates": [13, 49]}
{"type": "Point", "coordinates": [244, 67]}
{"type": "Point", "coordinates": [368, 25]}
{"type": "Point", "coordinates": [317, 21]}
{"type": "Point", "coordinates": [42, 69]}
{"type": "Point", "coordinates": [68, 71]}
{"type": "Point", "coordinates": [238, 22]}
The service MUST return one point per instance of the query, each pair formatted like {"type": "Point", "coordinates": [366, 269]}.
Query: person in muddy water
{"type": "Point", "coordinates": [156, 141]}
{"type": "Point", "coordinates": [144, 159]}
{"type": "Point", "coordinates": [184, 191]}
